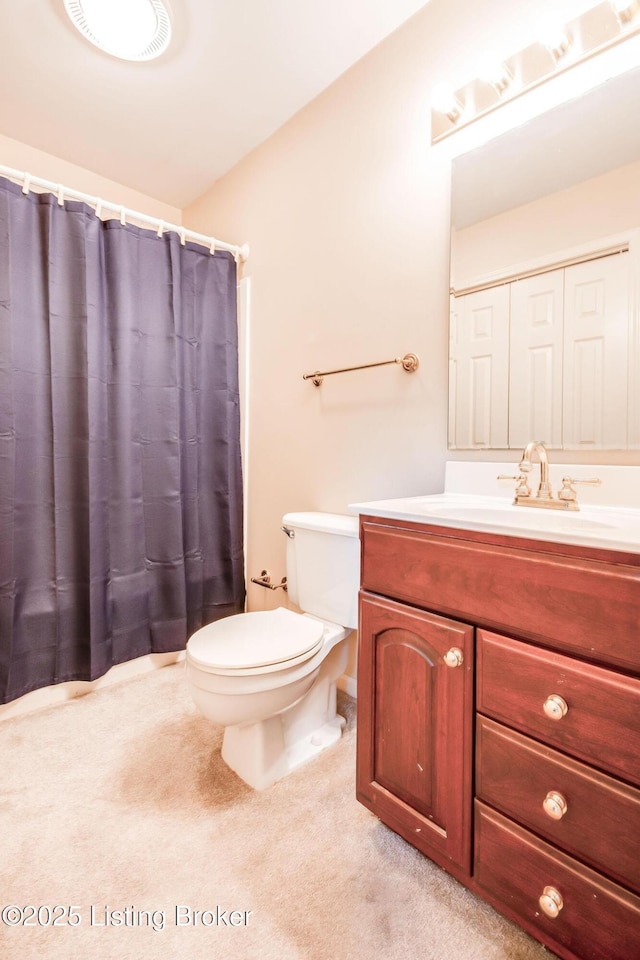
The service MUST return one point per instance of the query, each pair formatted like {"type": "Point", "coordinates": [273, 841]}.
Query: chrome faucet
{"type": "Point", "coordinates": [536, 446]}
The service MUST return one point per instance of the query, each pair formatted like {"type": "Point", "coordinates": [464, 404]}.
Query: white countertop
{"type": "Point", "coordinates": [612, 523]}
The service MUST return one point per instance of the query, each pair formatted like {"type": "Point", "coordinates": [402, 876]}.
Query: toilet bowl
{"type": "Point", "coordinates": [269, 677]}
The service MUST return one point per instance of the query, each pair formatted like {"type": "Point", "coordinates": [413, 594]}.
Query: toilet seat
{"type": "Point", "coordinates": [259, 642]}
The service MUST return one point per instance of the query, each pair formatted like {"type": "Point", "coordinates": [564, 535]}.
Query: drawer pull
{"type": "Point", "coordinates": [551, 902]}
{"type": "Point", "coordinates": [453, 657]}
{"type": "Point", "coordinates": [555, 707]}
{"type": "Point", "coordinates": [554, 805]}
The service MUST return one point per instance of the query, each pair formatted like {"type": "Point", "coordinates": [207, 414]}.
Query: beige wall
{"type": "Point", "coordinates": [27, 159]}
{"type": "Point", "coordinates": [346, 210]}
{"type": "Point", "coordinates": [546, 229]}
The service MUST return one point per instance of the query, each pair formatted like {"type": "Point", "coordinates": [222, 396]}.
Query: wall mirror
{"type": "Point", "coordinates": [545, 268]}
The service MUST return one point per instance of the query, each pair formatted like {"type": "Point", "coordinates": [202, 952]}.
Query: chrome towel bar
{"type": "Point", "coordinates": [410, 362]}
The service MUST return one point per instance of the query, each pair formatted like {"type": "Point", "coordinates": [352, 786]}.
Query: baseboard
{"type": "Point", "coordinates": [348, 685]}
{"type": "Point", "coordinates": [61, 692]}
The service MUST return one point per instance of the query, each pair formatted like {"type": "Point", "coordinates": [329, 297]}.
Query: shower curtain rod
{"type": "Point", "coordinates": [124, 213]}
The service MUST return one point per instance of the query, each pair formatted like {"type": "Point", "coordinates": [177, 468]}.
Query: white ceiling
{"type": "Point", "coordinates": [237, 70]}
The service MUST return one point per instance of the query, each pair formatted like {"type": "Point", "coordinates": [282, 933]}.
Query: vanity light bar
{"type": "Point", "coordinates": [560, 47]}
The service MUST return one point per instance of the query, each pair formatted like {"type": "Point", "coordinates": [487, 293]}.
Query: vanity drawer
{"type": "Point", "coordinates": [582, 605]}
{"type": "Point", "coordinates": [597, 918]}
{"type": "Point", "coordinates": [515, 681]}
{"type": "Point", "coordinates": [601, 819]}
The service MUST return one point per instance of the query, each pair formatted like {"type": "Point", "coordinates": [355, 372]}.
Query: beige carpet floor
{"type": "Point", "coordinates": [117, 809]}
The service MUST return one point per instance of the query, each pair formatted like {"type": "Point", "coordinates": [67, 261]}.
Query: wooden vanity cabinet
{"type": "Point", "coordinates": [499, 722]}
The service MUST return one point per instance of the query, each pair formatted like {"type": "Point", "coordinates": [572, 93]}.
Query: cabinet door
{"type": "Point", "coordinates": [479, 368]}
{"type": "Point", "coordinates": [596, 345]}
{"type": "Point", "coordinates": [415, 727]}
{"type": "Point", "coordinates": [535, 374]}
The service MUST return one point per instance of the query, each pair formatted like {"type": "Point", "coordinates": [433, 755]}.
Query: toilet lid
{"type": "Point", "coordinates": [254, 640]}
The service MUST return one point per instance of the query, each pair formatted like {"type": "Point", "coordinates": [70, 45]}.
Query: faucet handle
{"type": "Point", "coordinates": [523, 489]}
{"type": "Point", "coordinates": [568, 493]}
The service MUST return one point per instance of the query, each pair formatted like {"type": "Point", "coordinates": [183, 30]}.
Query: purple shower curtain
{"type": "Point", "coordinates": [120, 474]}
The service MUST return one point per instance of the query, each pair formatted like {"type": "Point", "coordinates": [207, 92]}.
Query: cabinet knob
{"type": "Point", "coordinates": [555, 707]}
{"type": "Point", "coordinates": [554, 805]}
{"type": "Point", "coordinates": [551, 902]}
{"type": "Point", "coordinates": [453, 657]}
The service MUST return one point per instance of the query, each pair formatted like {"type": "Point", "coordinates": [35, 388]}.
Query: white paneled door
{"type": "Point", "coordinates": [535, 372]}
{"type": "Point", "coordinates": [546, 357]}
{"type": "Point", "coordinates": [479, 369]}
{"type": "Point", "coordinates": [596, 345]}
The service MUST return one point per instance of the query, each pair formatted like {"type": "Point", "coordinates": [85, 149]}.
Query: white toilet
{"type": "Point", "coordinates": [270, 677]}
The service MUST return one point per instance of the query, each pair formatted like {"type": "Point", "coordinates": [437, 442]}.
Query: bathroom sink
{"type": "Point", "coordinates": [606, 527]}
{"type": "Point", "coordinates": [510, 515]}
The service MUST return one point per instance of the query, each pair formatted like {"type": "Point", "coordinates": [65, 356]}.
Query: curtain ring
{"type": "Point", "coordinates": [98, 207]}
{"type": "Point", "coordinates": [160, 229]}
{"type": "Point", "coordinates": [25, 183]}
{"type": "Point", "coordinates": [123, 216]}
{"type": "Point", "coordinates": [212, 248]}
{"type": "Point", "coordinates": [183, 237]}
{"type": "Point", "coordinates": [60, 195]}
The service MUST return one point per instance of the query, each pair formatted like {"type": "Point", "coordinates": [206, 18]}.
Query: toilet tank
{"type": "Point", "coordinates": [323, 565]}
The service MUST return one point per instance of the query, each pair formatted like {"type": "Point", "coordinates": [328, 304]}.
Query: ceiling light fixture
{"type": "Point", "coordinates": [128, 29]}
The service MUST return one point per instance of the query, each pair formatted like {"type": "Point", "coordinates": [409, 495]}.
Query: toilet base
{"type": "Point", "coordinates": [310, 747]}
{"type": "Point", "coordinates": [243, 750]}
{"type": "Point", "coordinates": [261, 753]}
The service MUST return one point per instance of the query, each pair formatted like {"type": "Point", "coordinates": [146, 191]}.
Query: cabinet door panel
{"type": "Point", "coordinates": [405, 735]}
{"type": "Point", "coordinates": [414, 726]}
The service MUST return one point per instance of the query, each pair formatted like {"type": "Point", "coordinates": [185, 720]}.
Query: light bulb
{"type": "Point", "coordinates": [444, 100]}
{"type": "Point", "coordinates": [494, 71]}
{"type": "Point", "coordinates": [625, 10]}
{"type": "Point", "coordinates": [553, 36]}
